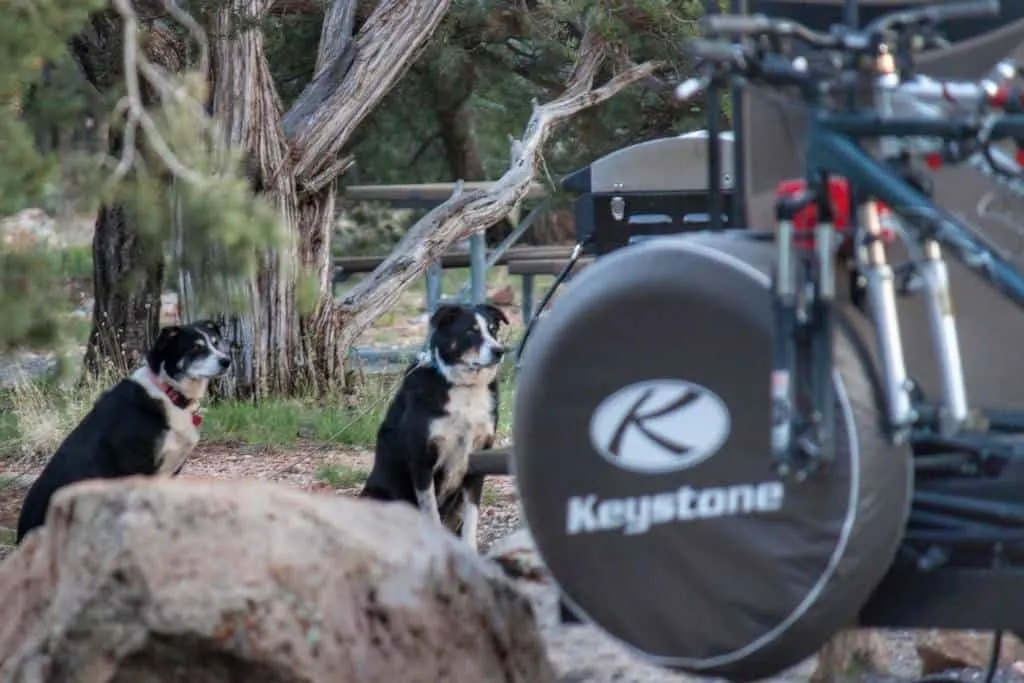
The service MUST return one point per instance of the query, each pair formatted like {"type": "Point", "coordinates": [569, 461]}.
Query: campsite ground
{"type": "Point", "coordinates": [326, 447]}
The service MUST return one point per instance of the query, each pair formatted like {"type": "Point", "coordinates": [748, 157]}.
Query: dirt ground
{"type": "Point", "coordinates": [296, 467]}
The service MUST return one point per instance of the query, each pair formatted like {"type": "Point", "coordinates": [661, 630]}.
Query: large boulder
{"type": "Point", "coordinates": [147, 580]}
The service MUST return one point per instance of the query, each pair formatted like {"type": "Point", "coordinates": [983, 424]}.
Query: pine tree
{"type": "Point", "coordinates": [168, 157]}
{"type": "Point", "coordinates": [30, 34]}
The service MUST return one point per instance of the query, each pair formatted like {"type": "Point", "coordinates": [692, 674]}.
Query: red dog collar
{"type": "Point", "coordinates": [177, 398]}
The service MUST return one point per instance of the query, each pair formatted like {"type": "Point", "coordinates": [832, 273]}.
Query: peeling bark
{"type": "Point", "coordinates": [388, 43]}
{"type": "Point", "coordinates": [245, 101]}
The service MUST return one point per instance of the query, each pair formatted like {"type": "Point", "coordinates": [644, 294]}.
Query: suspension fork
{"type": "Point", "coordinates": [953, 413]}
{"type": "Point", "coordinates": [881, 292]}
{"type": "Point", "coordinates": [784, 303]}
{"type": "Point", "coordinates": [820, 447]}
{"type": "Point", "coordinates": [797, 314]}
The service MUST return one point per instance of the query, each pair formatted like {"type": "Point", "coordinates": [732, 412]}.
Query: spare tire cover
{"type": "Point", "coordinates": [641, 429]}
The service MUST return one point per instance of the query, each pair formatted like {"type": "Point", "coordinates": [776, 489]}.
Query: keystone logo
{"type": "Point", "coordinates": [588, 514]}
{"type": "Point", "coordinates": [659, 426]}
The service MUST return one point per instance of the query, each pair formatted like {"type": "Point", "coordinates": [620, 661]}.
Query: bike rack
{"type": "Point", "coordinates": [962, 562]}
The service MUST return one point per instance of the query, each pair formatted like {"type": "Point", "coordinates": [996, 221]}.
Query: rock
{"type": "Point", "coordinates": [201, 581]}
{"type": "Point", "coordinates": [517, 555]}
{"type": "Point", "coordinates": [29, 228]}
{"type": "Point", "coordinates": [851, 655]}
{"type": "Point", "coordinates": [942, 650]}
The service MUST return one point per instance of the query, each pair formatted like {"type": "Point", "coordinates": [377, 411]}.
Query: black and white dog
{"type": "Point", "coordinates": [445, 408]}
{"type": "Point", "coordinates": [147, 423]}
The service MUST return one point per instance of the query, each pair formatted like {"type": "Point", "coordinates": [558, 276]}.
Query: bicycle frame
{"type": "Point", "coordinates": [833, 148]}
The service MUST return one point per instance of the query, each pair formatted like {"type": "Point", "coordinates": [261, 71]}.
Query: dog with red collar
{"type": "Point", "coordinates": [148, 423]}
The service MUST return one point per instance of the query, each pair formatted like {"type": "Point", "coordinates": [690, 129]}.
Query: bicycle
{"type": "Point", "coordinates": [960, 514]}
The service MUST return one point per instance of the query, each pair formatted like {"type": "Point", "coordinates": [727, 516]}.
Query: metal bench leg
{"type": "Point", "coordinates": [527, 298]}
{"type": "Point", "coordinates": [434, 273]}
{"type": "Point", "coordinates": [478, 268]}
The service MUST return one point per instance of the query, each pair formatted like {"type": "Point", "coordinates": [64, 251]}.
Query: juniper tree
{"type": "Point", "coordinates": [177, 206]}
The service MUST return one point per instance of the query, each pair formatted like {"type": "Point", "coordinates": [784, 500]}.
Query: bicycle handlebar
{"type": "Point", "coordinates": [760, 24]}
{"type": "Point", "coordinates": [718, 51]}
{"type": "Point", "coordinates": [740, 24]}
{"type": "Point", "coordinates": [843, 37]}
{"type": "Point", "coordinates": [934, 14]}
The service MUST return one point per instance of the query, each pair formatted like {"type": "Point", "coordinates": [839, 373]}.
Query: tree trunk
{"type": "Point", "coordinates": [128, 273]}
{"type": "Point", "coordinates": [296, 159]}
{"type": "Point", "coordinates": [319, 328]}
{"type": "Point", "coordinates": [126, 286]}
{"type": "Point", "coordinates": [267, 335]}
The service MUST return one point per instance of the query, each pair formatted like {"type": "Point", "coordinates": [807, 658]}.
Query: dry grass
{"type": "Point", "coordinates": [44, 413]}
{"type": "Point", "coordinates": [35, 416]}
{"type": "Point", "coordinates": [40, 415]}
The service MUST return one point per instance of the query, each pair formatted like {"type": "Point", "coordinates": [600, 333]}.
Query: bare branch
{"type": "Point", "coordinates": [333, 62]}
{"type": "Point", "coordinates": [336, 33]}
{"type": "Point", "coordinates": [135, 112]}
{"type": "Point", "coordinates": [335, 169]}
{"type": "Point", "coordinates": [467, 212]}
{"type": "Point", "coordinates": [352, 79]}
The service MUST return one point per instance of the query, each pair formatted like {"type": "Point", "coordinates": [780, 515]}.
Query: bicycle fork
{"type": "Point", "coordinates": [803, 298]}
{"type": "Point", "coordinates": [954, 411]}
{"type": "Point", "coordinates": [933, 278]}
{"type": "Point", "coordinates": [881, 294]}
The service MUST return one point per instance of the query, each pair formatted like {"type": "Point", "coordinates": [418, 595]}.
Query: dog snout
{"type": "Point", "coordinates": [224, 362]}
{"type": "Point", "coordinates": [497, 352]}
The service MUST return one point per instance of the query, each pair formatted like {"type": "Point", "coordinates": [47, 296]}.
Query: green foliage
{"type": "Point", "coordinates": [511, 57]}
{"type": "Point", "coordinates": [490, 57]}
{"type": "Point", "coordinates": [184, 191]}
{"type": "Point", "coordinates": [27, 280]}
{"type": "Point", "coordinates": [30, 34]}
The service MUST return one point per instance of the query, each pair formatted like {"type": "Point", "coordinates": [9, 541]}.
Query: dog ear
{"type": "Point", "coordinates": [163, 340]}
{"type": "Point", "coordinates": [495, 313]}
{"type": "Point", "coordinates": [444, 315]}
